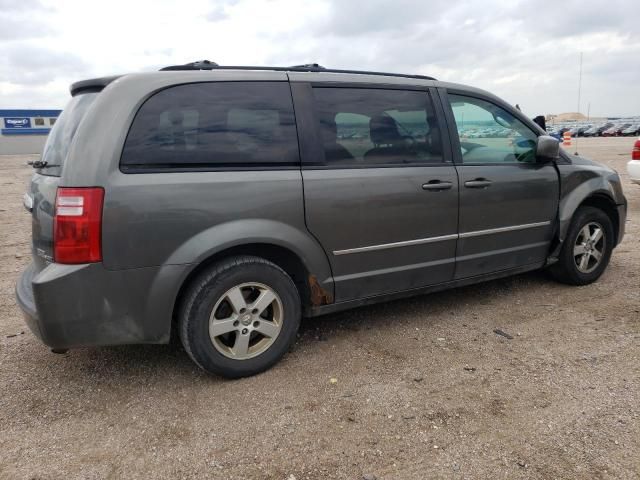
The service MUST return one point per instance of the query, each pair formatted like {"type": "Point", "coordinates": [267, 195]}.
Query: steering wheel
{"type": "Point", "coordinates": [527, 155]}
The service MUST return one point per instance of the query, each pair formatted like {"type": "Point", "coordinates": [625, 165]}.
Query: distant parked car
{"type": "Point", "coordinates": [633, 167]}
{"type": "Point", "coordinates": [609, 132]}
{"type": "Point", "coordinates": [597, 131]}
{"type": "Point", "coordinates": [556, 136]}
{"type": "Point", "coordinates": [616, 130]}
{"type": "Point", "coordinates": [583, 129]}
{"type": "Point", "coordinates": [621, 128]}
{"type": "Point", "coordinates": [631, 130]}
{"type": "Point", "coordinates": [578, 131]}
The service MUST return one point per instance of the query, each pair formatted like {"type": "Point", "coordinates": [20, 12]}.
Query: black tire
{"type": "Point", "coordinates": [566, 270]}
{"type": "Point", "coordinates": [208, 289]}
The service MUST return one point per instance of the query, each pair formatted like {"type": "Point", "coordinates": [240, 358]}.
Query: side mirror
{"type": "Point", "coordinates": [548, 148]}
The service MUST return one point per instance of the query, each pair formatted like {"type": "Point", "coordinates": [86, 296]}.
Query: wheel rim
{"type": "Point", "coordinates": [589, 247]}
{"type": "Point", "coordinates": [245, 321]}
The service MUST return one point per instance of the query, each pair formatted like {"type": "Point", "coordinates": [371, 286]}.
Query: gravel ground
{"type": "Point", "coordinates": [418, 388]}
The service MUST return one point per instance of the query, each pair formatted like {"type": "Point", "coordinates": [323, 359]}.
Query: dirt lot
{"type": "Point", "coordinates": [424, 388]}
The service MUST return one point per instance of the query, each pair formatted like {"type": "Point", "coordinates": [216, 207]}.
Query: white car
{"type": "Point", "coordinates": [633, 167]}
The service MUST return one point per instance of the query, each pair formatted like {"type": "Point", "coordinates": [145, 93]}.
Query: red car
{"type": "Point", "coordinates": [615, 131]}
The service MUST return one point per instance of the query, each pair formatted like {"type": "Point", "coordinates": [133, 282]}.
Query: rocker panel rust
{"type": "Point", "coordinates": [319, 296]}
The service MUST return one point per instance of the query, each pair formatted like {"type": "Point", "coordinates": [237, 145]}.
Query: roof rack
{"type": "Point", "coordinates": [308, 67]}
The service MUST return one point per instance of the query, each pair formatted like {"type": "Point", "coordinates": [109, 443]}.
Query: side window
{"type": "Point", "coordinates": [377, 127]}
{"type": "Point", "coordinates": [489, 134]}
{"type": "Point", "coordinates": [216, 125]}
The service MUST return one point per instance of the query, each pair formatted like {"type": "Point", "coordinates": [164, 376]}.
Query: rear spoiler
{"type": "Point", "coordinates": [91, 85]}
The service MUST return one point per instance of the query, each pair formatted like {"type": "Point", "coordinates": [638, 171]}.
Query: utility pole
{"type": "Point", "coordinates": [579, 92]}
{"type": "Point", "coordinates": [580, 82]}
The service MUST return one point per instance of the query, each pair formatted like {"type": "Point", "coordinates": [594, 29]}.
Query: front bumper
{"type": "Point", "coordinates": [70, 306]}
{"type": "Point", "coordinates": [622, 220]}
{"type": "Point", "coordinates": [633, 169]}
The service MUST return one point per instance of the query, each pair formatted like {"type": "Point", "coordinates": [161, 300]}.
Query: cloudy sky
{"type": "Point", "coordinates": [524, 51]}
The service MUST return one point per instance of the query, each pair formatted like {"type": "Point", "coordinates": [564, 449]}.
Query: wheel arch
{"type": "Point", "coordinates": [312, 292]}
{"type": "Point", "coordinates": [601, 199]}
{"type": "Point", "coordinates": [605, 203]}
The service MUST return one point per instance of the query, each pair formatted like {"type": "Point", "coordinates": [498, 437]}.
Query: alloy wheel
{"type": "Point", "coordinates": [246, 321]}
{"type": "Point", "coordinates": [589, 247]}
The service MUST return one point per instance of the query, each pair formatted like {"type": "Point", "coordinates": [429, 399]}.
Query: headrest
{"type": "Point", "coordinates": [384, 130]}
{"type": "Point", "coordinates": [329, 129]}
{"type": "Point", "coordinates": [176, 117]}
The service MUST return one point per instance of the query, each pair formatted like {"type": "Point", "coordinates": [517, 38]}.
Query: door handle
{"type": "Point", "coordinates": [436, 185]}
{"type": "Point", "coordinates": [478, 183]}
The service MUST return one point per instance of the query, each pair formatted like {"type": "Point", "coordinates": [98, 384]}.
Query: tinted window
{"type": "Point", "coordinates": [62, 134]}
{"type": "Point", "coordinates": [490, 134]}
{"type": "Point", "coordinates": [214, 125]}
{"type": "Point", "coordinates": [376, 127]}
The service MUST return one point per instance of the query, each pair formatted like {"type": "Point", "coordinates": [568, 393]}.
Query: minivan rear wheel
{"type": "Point", "coordinates": [587, 248]}
{"type": "Point", "coordinates": [240, 316]}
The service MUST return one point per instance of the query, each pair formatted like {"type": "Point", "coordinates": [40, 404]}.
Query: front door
{"type": "Point", "coordinates": [508, 200]}
{"type": "Point", "coordinates": [380, 195]}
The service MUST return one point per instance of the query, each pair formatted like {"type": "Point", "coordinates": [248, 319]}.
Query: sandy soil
{"type": "Point", "coordinates": [424, 388]}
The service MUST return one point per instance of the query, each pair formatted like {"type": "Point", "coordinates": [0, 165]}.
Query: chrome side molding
{"type": "Point", "coordinates": [512, 228]}
{"type": "Point", "coordinates": [453, 236]}
{"type": "Point", "coordinates": [396, 244]}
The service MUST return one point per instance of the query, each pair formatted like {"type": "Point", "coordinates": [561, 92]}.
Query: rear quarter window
{"type": "Point", "coordinates": [212, 126]}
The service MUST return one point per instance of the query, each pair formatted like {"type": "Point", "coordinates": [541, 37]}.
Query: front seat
{"type": "Point", "coordinates": [387, 141]}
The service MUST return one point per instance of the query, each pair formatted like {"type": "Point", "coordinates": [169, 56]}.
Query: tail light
{"type": "Point", "coordinates": [635, 153]}
{"type": "Point", "coordinates": [77, 225]}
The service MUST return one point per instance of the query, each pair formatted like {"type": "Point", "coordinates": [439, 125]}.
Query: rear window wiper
{"type": "Point", "coordinates": [38, 164]}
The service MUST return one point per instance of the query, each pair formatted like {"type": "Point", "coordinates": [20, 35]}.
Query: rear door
{"type": "Point", "coordinates": [508, 200]}
{"type": "Point", "coordinates": [381, 191]}
{"type": "Point", "coordinates": [41, 197]}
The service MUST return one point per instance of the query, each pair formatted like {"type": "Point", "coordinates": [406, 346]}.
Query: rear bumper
{"type": "Point", "coordinates": [70, 306]}
{"type": "Point", "coordinates": [633, 169]}
{"type": "Point", "coordinates": [24, 297]}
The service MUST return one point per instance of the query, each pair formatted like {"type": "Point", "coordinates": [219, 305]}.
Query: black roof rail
{"type": "Point", "coordinates": [197, 65]}
{"type": "Point", "coordinates": [308, 67]}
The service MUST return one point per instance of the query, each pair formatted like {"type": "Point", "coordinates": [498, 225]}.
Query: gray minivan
{"type": "Point", "coordinates": [222, 204]}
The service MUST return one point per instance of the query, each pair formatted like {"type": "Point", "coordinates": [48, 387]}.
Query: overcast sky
{"type": "Point", "coordinates": [524, 51]}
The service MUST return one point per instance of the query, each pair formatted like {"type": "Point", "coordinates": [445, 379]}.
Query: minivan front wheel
{"type": "Point", "coordinates": [240, 316]}
{"type": "Point", "coordinates": [587, 248]}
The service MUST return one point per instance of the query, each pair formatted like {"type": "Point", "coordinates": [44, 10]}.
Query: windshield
{"type": "Point", "coordinates": [59, 140]}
